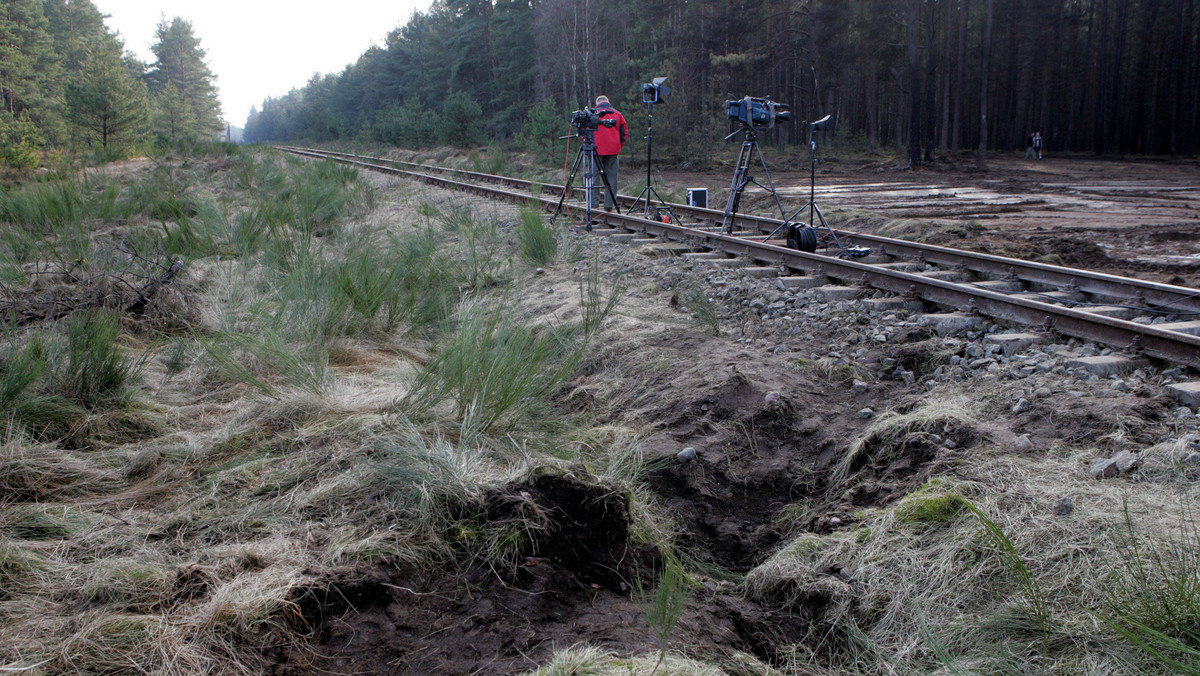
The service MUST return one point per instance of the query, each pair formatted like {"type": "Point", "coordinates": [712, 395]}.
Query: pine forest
{"type": "Point", "coordinates": [928, 76]}
{"type": "Point", "coordinates": [66, 82]}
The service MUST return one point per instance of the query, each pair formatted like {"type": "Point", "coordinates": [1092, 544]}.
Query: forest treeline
{"type": "Point", "coordinates": [67, 83]}
{"type": "Point", "coordinates": [930, 76]}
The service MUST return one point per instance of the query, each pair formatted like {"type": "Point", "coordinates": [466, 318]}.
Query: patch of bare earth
{"type": "Point", "coordinates": [807, 422]}
{"type": "Point", "coordinates": [1130, 217]}
{"type": "Point", "coordinates": [768, 416]}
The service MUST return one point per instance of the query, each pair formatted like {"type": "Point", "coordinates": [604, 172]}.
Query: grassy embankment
{"type": "Point", "coordinates": [319, 386]}
{"type": "Point", "coordinates": [325, 385]}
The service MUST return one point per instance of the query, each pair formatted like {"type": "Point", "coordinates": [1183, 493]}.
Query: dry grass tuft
{"type": "Point", "coordinates": [581, 660]}
{"type": "Point", "coordinates": [38, 473]}
{"type": "Point", "coordinates": [892, 433]}
{"type": "Point", "coordinates": [19, 566]}
{"type": "Point", "coordinates": [42, 521]}
{"type": "Point", "coordinates": [125, 583]}
{"type": "Point", "coordinates": [926, 586]}
{"type": "Point", "coordinates": [1171, 462]}
{"type": "Point", "coordinates": [114, 643]}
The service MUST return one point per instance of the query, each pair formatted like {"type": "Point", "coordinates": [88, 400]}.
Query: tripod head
{"type": "Point", "coordinates": [751, 133]}
{"type": "Point", "coordinates": [813, 128]}
{"type": "Point", "coordinates": [588, 137]}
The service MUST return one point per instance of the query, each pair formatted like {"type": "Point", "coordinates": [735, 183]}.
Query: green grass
{"type": "Point", "coordinates": [701, 308]}
{"type": "Point", "coordinates": [265, 361]}
{"type": "Point", "coordinates": [494, 162]}
{"type": "Point", "coordinates": [478, 252]}
{"type": "Point", "coordinates": [665, 605]}
{"type": "Point", "coordinates": [598, 298]}
{"type": "Point", "coordinates": [165, 193]}
{"type": "Point", "coordinates": [44, 207]}
{"type": "Point", "coordinates": [49, 382]}
{"type": "Point", "coordinates": [399, 281]}
{"type": "Point", "coordinates": [539, 242]}
{"type": "Point", "coordinates": [370, 284]}
{"type": "Point", "coordinates": [95, 373]}
{"type": "Point", "coordinates": [1153, 597]}
{"type": "Point", "coordinates": [1033, 596]}
{"type": "Point", "coordinates": [934, 504]}
{"type": "Point", "coordinates": [495, 372]}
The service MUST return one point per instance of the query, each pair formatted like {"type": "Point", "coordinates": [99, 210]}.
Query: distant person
{"type": "Point", "coordinates": [609, 141]}
{"type": "Point", "coordinates": [1029, 154]}
{"type": "Point", "coordinates": [1037, 144]}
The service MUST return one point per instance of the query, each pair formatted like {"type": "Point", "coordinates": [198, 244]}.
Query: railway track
{"type": "Point", "coordinates": [1141, 318]}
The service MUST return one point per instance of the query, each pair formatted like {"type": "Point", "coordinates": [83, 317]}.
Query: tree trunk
{"type": "Point", "coordinates": [914, 84]}
{"type": "Point", "coordinates": [871, 103]}
{"type": "Point", "coordinates": [944, 131]}
{"type": "Point", "coordinates": [985, 64]}
{"type": "Point", "coordinates": [930, 88]}
{"type": "Point", "coordinates": [960, 73]}
{"type": "Point", "coordinates": [1176, 75]}
{"type": "Point", "coordinates": [1050, 76]}
{"type": "Point", "coordinates": [1118, 61]}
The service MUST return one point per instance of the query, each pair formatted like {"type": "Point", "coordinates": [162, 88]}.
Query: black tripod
{"type": "Point", "coordinates": [651, 212]}
{"type": "Point", "coordinates": [742, 177]}
{"type": "Point", "coordinates": [804, 236]}
{"type": "Point", "coordinates": [591, 163]}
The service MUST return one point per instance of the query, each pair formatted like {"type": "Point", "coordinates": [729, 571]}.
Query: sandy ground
{"type": "Point", "coordinates": [1143, 216]}
{"type": "Point", "coordinates": [768, 408]}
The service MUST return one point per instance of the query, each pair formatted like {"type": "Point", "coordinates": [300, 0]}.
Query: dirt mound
{"type": "Point", "coordinates": [582, 527]}
{"type": "Point", "coordinates": [575, 558]}
{"type": "Point", "coordinates": [756, 452]}
{"type": "Point", "coordinates": [1085, 253]}
{"type": "Point", "coordinates": [576, 585]}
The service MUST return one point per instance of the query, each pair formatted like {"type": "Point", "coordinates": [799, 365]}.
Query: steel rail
{"type": "Point", "coordinates": [1151, 340]}
{"type": "Point", "coordinates": [1112, 288]}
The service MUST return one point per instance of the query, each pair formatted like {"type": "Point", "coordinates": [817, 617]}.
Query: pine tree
{"type": "Point", "coordinates": [77, 28]}
{"type": "Point", "coordinates": [105, 102]}
{"type": "Point", "coordinates": [463, 120]}
{"type": "Point", "coordinates": [173, 122]}
{"type": "Point", "coordinates": [20, 142]}
{"type": "Point", "coordinates": [180, 64]}
{"type": "Point", "coordinates": [29, 68]}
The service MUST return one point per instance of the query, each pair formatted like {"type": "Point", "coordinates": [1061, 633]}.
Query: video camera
{"type": "Point", "coordinates": [758, 113]}
{"type": "Point", "coordinates": [655, 91]}
{"type": "Point", "coordinates": [587, 119]}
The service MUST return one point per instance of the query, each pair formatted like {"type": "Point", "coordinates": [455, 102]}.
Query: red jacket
{"type": "Point", "coordinates": [610, 140]}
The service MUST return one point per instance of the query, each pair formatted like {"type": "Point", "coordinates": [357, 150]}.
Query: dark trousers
{"type": "Point", "coordinates": [611, 166]}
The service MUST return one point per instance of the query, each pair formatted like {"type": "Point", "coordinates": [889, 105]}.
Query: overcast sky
{"type": "Point", "coordinates": [258, 48]}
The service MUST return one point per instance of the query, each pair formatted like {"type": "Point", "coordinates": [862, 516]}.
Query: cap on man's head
{"type": "Point", "coordinates": [601, 99]}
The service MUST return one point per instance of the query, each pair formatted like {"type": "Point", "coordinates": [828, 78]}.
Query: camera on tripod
{"type": "Point", "coordinates": [758, 112]}
{"type": "Point", "coordinates": [587, 119]}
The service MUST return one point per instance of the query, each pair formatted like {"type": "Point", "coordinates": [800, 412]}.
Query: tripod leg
{"type": "Point", "coordinates": [770, 182]}
{"type": "Point", "coordinates": [589, 184]}
{"type": "Point", "coordinates": [567, 187]}
{"type": "Point", "coordinates": [825, 225]}
{"type": "Point", "coordinates": [645, 194]}
{"type": "Point", "coordinates": [736, 188]}
{"type": "Point", "coordinates": [666, 205]}
{"type": "Point", "coordinates": [611, 194]}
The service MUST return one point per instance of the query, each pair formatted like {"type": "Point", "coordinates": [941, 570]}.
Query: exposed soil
{"type": "Point", "coordinates": [766, 427]}
{"type": "Point", "coordinates": [577, 584]}
{"type": "Point", "coordinates": [1132, 217]}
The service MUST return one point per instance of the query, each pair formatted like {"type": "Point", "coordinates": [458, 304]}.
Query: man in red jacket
{"type": "Point", "coordinates": [609, 141]}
